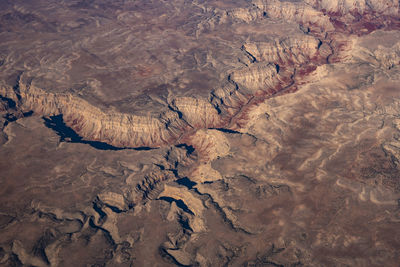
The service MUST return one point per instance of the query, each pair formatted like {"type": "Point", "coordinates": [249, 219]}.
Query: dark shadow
{"type": "Point", "coordinates": [224, 130]}
{"type": "Point", "coordinates": [189, 148]}
{"type": "Point", "coordinates": [178, 202]}
{"type": "Point", "coordinates": [66, 134]}
{"type": "Point", "coordinates": [186, 182]}
{"type": "Point", "coordinates": [11, 103]}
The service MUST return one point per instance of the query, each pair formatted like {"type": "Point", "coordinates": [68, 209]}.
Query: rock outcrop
{"type": "Point", "coordinates": [270, 69]}
{"type": "Point", "coordinates": [118, 129]}
{"type": "Point", "coordinates": [386, 7]}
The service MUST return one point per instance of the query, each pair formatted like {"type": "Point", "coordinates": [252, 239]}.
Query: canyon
{"type": "Point", "coordinates": [200, 133]}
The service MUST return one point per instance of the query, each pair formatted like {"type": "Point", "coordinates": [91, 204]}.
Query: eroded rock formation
{"type": "Point", "coordinates": [252, 133]}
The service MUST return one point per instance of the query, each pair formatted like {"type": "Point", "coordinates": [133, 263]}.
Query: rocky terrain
{"type": "Point", "coordinates": [200, 133]}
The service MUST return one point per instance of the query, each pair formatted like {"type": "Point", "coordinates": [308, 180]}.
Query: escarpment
{"type": "Point", "coordinates": [294, 11]}
{"type": "Point", "coordinates": [198, 113]}
{"type": "Point", "coordinates": [117, 129]}
{"type": "Point", "coordinates": [387, 7]}
{"type": "Point", "coordinates": [285, 51]}
{"type": "Point", "coordinates": [271, 66]}
{"type": "Point", "coordinates": [271, 70]}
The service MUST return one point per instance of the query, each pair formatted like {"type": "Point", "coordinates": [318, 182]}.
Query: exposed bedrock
{"type": "Point", "coordinates": [294, 11]}
{"type": "Point", "coordinates": [387, 7]}
{"type": "Point", "coordinates": [270, 69]}
{"type": "Point", "coordinates": [123, 130]}
{"type": "Point", "coordinates": [284, 51]}
{"type": "Point", "coordinates": [272, 66]}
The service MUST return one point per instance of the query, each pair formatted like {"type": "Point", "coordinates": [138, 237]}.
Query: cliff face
{"type": "Point", "coordinates": [298, 12]}
{"type": "Point", "coordinates": [198, 113]}
{"type": "Point", "coordinates": [266, 68]}
{"type": "Point", "coordinates": [284, 51]}
{"type": "Point", "coordinates": [123, 130]}
{"type": "Point", "coordinates": [269, 68]}
{"type": "Point", "coordinates": [386, 7]}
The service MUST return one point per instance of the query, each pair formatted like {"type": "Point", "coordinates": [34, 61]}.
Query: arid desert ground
{"type": "Point", "coordinates": [199, 133]}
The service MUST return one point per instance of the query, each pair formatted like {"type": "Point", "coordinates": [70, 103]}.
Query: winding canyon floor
{"type": "Point", "coordinates": [199, 133]}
